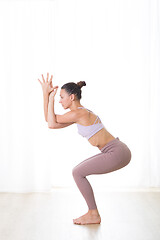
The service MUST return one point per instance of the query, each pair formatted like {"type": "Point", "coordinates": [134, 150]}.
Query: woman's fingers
{"type": "Point", "coordinates": [47, 77]}
{"type": "Point", "coordinates": [51, 85]}
{"type": "Point", "coordinates": [40, 81]}
{"type": "Point", "coordinates": [43, 78]}
{"type": "Point", "coordinates": [55, 87]}
{"type": "Point", "coordinates": [55, 91]}
{"type": "Point", "coordinates": [50, 81]}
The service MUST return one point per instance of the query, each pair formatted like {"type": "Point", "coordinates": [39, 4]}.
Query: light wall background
{"type": "Point", "coordinates": [113, 45]}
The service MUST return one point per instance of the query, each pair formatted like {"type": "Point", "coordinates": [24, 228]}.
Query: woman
{"type": "Point", "coordinates": [114, 153]}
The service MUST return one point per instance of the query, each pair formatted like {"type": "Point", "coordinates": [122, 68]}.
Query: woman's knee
{"type": "Point", "coordinates": [75, 172]}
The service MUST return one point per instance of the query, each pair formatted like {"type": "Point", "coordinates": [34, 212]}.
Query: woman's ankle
{"type": "Point", "coordinates": [93, 212]}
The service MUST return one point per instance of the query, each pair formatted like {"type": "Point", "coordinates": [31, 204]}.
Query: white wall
{"type": "Point", "coordinates": [105, 43]}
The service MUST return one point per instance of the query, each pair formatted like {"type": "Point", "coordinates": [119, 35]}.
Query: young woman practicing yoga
{"type": "Point", "coordinates": [114, 153]}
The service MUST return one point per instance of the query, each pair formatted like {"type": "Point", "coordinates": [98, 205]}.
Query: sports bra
{"type": "Point", "coordinates": [89, 131]}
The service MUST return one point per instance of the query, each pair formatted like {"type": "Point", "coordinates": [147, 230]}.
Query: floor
{"type": "Point", "coordinates": [35, 216]}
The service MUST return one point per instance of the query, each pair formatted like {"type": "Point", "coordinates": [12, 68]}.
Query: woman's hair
{"type": "Point", "coordinates": [74, 88]}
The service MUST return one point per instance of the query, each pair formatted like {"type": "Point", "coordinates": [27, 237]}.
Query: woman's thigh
{"type": "Point", "coordinates": [104, 162]}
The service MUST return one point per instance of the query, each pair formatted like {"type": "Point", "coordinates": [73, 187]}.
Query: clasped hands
{"type": "Point", "coordinates": [47, 86]}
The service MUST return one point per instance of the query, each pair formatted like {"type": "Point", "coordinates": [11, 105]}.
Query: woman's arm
{"type": "Point", "coordinates": [45, 104]}
{"type": "Point", "coordinates": [47, 88]}
{"type": "Point", "coordinates": [52, 122]}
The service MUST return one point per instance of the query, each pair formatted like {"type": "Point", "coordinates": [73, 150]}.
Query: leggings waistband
{"type": "Point", "coordinates": [112, 142]}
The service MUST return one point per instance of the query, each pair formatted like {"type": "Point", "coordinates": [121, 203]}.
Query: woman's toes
{"type": "Point", "coordinates": [76, 221]}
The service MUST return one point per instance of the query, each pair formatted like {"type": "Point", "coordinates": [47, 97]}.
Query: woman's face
{"type": "Point", "coordinates": [65, 99]}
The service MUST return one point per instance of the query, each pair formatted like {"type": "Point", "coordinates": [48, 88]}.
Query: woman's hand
{"type": "Point", "coordinates": [53, 93]}
{"type": "Point", "coordinates": [47, 86]}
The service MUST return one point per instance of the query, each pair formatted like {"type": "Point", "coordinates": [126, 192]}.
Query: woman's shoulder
{"type": "Point", "coordinates": [80, 114]}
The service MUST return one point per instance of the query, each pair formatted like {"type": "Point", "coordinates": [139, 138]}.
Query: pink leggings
{"type": "Point", "coordinates": [114, 155]}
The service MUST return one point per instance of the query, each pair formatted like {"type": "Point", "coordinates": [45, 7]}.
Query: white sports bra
{"type": "Point", "coordinates": [89, 131]}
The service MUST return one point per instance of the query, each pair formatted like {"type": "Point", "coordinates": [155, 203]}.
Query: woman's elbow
{"type": "Point", "coordinates": [51, 126]}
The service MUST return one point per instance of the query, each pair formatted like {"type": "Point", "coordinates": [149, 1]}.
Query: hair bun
{"type": "Point", "coordinates": [81, 84]}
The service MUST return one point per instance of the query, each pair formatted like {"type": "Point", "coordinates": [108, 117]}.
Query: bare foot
{"type": "Point", "coordinates": [91, 217]}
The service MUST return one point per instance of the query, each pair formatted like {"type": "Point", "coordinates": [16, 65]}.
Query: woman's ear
{"type": "Point", "coordinates": [72, 97]}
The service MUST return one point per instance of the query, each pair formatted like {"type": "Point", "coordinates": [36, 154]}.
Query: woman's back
{"type": "Point", "coordinates": [91, 127]}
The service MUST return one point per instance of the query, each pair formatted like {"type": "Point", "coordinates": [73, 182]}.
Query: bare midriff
{"type": "Point", "coordinates": [101, 138]}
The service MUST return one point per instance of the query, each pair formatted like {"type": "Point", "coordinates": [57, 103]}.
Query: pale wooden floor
{"type": "Point", "coordinates": [37, 216]}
